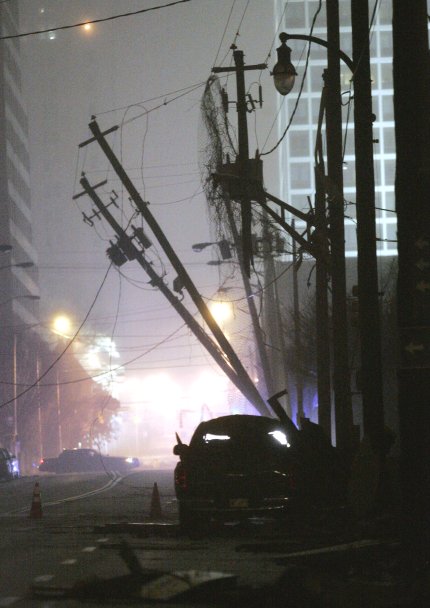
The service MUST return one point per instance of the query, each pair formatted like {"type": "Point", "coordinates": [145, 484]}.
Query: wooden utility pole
{"type": "Point", "coordinates": [298, 367]}
{"type": "Point", "coordinates": [321, 288]}
{"type": "Point", "coordinates": [368, 311]}
{"type": "Point", "coordinates": [411, 75]}
{"type": "Point", "coordinates": [341, 374]}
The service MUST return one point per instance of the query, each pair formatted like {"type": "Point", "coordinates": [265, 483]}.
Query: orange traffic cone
{"type": "Point", "coordinates": [155, 512]}
{"type": "Point", "coordinates": [36, 503]}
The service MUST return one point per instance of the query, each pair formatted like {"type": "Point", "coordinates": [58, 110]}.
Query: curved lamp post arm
{"type": "Point", "coordinates": [347, 60]}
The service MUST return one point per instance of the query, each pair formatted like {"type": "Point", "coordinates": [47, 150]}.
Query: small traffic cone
{"type": "Point", "coordinates": [36, 503]}
{"type": "Point", "coordinates": [155, 512]}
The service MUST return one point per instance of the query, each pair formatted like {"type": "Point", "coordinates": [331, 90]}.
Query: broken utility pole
{"type": "Point", "coordinates": [126, 249]}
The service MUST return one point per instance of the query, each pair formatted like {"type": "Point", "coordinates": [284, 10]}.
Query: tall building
{"type": "Point", "coordinates": [18, 274]}
{"type": "Point", "coordinates": [297, 151]}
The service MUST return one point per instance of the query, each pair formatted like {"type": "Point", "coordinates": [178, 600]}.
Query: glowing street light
{"type": "Point", "coordinates": [61, 326]}
{"type": "Point", "coordinates": [221, 311]}
{"type": "Point", "coordinates": [284, 74]}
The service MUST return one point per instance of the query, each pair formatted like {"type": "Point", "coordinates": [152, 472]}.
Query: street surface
{"type": "Point", "coordinates": [82, 526]}
{"type": "Point", "coordinates": [97, 542]}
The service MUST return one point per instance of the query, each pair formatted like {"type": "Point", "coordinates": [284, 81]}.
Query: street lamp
{"type": "Point", "coordinates": [284, 74]}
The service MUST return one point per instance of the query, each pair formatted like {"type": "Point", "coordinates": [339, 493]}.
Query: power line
{"type": "Point", "coordinates": [66, 348]}
{"type": "Point", "coordinates": [287, 128]}
{"type": "Point", "coordinates": [102, 20]}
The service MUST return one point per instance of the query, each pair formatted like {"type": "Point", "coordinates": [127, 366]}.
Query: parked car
{"type": "Point", "coordinates": [87, 460]}
{"type": "Point", "coordinates": [9, 465]}
{"type": "Point", "coordinates": [240, 466]}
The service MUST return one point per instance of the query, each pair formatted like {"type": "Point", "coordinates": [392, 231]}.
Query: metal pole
{"type": "Point", "coordinates": [341, 375]}
{"type": "Point", "coordinates": [368, 312]}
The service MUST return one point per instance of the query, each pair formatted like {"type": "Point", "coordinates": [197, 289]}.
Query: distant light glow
{"type": "Point", "coordinates": [280, 437]}
{"type": "Point", "coordinates": [88, 27]}
{"type": "Point", "coordinates": [221, 311]}
{"type": "Point", "coordinates": [52, 35]}
{"type": "Point", "coordinates": [61, 325]}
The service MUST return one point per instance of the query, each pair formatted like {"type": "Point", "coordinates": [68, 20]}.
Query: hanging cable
{"type": "Point", "coordinates": [301, 86]}
{"type": "Point", "coordinates": [82, 23]}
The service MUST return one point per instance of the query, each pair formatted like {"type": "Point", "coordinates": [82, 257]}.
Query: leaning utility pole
{"type": "Point", "coordinates": [411, 75]}
{"type": "Point", "coordinates": [132, 248]}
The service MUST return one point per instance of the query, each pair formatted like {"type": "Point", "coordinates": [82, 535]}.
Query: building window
{"type": "Point", "coordinates": [300, 175]}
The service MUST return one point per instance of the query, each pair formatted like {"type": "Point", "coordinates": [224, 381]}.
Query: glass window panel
{"type": "Point", "coordinates": [389, 140]}
{"type": "Point", "coordinates": [391, 232]}
{"type": "Point", "coordinates": [295, 15]}
{"type": "Point", "coordinates": [300, 175]}
{"type": "Point", "coordinates": [390, 201]}
{"type": "Point", "coordinates": [385, 15]}
{"type": "Point", "coordinates": [350, 238]}
{"type": "Point", "coordinates": [301, 115]}
{"type": "Point", "coordinates": [349, 173]}
{"type": "Point", "coordinates": [390, 171]}
{"type": "Point", "coordinates": [386, 76]}
{"type": "Point", "coordinates": [315, 110]}
{"type": "Point", "coordinates": [387, 107]}
{"type": "Point", "coordinates": [386, 44]}
{"type": "Point", "coordinates": [316, 74]}
{"type": "Point", "coordinates": [299, 143]}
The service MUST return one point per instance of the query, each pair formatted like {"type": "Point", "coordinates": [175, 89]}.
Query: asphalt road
{"type": "Point", "coordinates": [85, 518]}
{"type": "Point", "coordinates": [100, 540]}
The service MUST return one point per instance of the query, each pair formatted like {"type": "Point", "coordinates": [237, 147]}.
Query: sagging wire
{"type": "Point", "coordinates": [269, 54]}
{"type": "Point", "coordinates": [65, 349]}
{"type": "Point", "coordinates": [301, 87]}
{"type": "Point", "coordinates": [102, 20]}
{"type": "Point", "coordinates": [224, 32]}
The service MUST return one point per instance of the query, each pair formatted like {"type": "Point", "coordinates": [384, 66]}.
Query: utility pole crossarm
{"type": "Point", "coordinates": [257, 66]}
{"type": "Point", "coordinates": [305, 245]}
{"type": "Point", "coordinates": [306, 217]}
